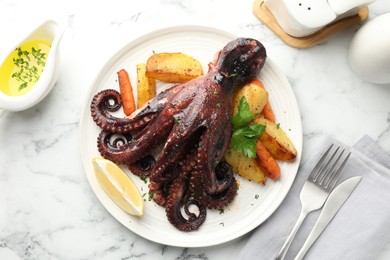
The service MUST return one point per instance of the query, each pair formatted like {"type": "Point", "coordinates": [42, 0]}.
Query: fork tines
{"type": "Point", "coordinates": [328, 169]}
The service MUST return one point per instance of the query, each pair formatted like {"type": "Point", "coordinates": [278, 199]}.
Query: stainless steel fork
{"type": "Point", "coordinates": [317, 188]}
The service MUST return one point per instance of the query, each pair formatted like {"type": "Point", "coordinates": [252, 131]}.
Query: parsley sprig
{"type": "Point", "coordinates": [245, 132]}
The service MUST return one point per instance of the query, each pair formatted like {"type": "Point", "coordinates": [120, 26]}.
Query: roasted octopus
{"type": "Point", "coordinates": [178, 139]}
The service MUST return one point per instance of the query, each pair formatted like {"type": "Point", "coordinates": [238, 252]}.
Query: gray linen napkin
{"type": "Point", "coordinates": [361, 228]}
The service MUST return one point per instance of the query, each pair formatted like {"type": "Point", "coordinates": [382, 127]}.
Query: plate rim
{"type": "Point", "coordinates": [135, 42]}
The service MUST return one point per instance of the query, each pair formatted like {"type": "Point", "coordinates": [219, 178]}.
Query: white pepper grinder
{"type": "Point", "coordinates": [369, 52]}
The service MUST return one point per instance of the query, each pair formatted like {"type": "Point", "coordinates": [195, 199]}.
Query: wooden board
{"type": "Point", "coordinates": [262, 12]}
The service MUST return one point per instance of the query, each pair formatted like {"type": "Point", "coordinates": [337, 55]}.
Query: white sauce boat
{"type": "Point", "coordinates": [51, 32]}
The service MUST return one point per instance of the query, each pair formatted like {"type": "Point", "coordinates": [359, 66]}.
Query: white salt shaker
{"type": "Point", "coordinates": [301, 18]}
{"type": "Point", "coordinates": [369, 52]}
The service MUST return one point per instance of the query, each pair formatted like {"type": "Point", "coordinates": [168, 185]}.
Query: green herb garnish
{"type": "Point", "coordinates": [245, 133]}
{"type": "Point", "coordinates": [143, 178]}
{"type": "Point", "coordinates": [27, 72]}
{"type": "Point", "coordinates": [176, 120]}
{"type": "Point", "coordinates": [150, 193]}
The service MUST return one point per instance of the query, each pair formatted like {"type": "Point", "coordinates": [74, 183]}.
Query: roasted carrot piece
{"type": "Point", "coordinates": [126, 91]}
{"type": "Point", "coordinates": [267, 162]}
{"type": "Point", "coordinates": [267, 110]}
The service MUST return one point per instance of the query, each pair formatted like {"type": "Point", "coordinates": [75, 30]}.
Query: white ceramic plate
{"type": "Point", "coordinates": [254, 203]}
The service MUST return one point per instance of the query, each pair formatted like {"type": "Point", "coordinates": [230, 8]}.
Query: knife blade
{"type": "Point", "coordinates": [332, 205]}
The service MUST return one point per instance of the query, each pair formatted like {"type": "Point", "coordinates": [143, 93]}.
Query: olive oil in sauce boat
{"type": "Point", "coordinates": [31, 68]}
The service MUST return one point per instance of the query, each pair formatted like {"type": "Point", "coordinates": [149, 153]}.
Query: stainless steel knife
{"type": "Point", "coordinates": [332, 205]}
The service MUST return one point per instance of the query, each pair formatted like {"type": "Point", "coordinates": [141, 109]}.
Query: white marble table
{"type": "Point", "coordinates": [47, 207]}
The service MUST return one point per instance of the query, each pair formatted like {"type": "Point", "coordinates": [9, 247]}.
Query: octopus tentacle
{"type": "Point", "coordinates": [208, 158]}
{"type": "Point", "coordinates": [152, 107]}
{"type": "Point", "coordinates": [143, 166]}
{"type": "Point", "coordinates": [112, 149]}
{"type": "Point", "coordinates": [220, 200]}
{"type": "Point", "coordinates": [223, 141]}
{"type": "Point", "coordinates": [217, 200]}
{"type": "Point", "coordinates": [137, 148]}
{"type": "Point", "coordinates": [179, 198]}
{"type": "Point", "coordinates": [175, 149]}
{"type": "Point", "coordinates": [184, 168]}
{"type": "Point", "coordinates": [159, 192]}
{"type": "Point", "coordinates": [107, 101]}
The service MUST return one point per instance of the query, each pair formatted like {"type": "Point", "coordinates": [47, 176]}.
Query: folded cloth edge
{"type": "Point", "coordinates": [365, 148]}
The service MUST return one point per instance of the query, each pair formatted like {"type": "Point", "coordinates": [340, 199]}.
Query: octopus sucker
{"type": "Point", "coordinates": [178, 138]}
{"type": "Point", "coordinates": [142, 166]}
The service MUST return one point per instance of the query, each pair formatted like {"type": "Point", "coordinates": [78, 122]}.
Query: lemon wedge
{"type": "Point", "coordinates": [118, 186]}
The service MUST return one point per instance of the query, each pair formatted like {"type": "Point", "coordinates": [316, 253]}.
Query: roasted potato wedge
{"type": "Point", "coordinates": [255, 96]}
{"type": "Point", "coordinates": [173, 67]}
{"type": "Point", "coordinates": [276, 141]}
{"type": "Point", "coordinates": [146, 87]}
{"type": "Point", "coordinates": [244, 166]}
{"type": "Point", "coordinates": [267, 110]}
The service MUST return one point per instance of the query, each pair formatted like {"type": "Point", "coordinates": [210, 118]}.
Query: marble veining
{"type": "Point", "coordinates": [47, 208]}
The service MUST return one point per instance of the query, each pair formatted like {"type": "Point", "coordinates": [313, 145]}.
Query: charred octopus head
{"type": "Point", "coordinates": [178, 139]}
{"type": "Point", "coordinates": [241, 60]}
